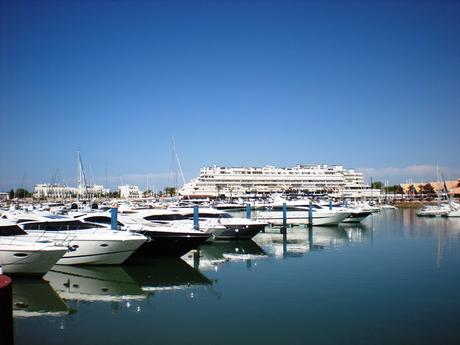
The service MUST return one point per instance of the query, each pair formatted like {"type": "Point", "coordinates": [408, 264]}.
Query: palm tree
{"type": "Point", "coordinates": [171, 191]}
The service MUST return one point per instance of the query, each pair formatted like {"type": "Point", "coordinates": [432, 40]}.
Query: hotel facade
{"type": "Point", "coordinates": [334, 180]}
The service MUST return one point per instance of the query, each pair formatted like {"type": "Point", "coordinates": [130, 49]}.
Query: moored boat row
{"type": "Point", "coordinates": [33, 240]}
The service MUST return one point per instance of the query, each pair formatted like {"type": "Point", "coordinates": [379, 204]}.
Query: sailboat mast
{"type": "Point", "coordinates": [82, 176]}
{"type": "Point", "coordinates": [176, 157]}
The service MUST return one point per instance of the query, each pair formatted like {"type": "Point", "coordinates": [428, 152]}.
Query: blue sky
{"type": "Point", "coordinates": [366, 84]}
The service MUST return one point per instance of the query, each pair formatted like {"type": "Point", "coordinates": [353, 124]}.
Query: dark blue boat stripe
{"type": "Point", "coordinates": [82, 256]}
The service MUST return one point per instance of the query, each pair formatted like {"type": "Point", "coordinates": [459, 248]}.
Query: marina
{"type": "Point", "coordinates": [267, 288]}
{"type": "Point", "coordinates": [229, 172]}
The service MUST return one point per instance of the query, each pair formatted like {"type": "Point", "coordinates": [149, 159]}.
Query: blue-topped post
{"type": "Point", "coordinates": [114, 218]}
{"type": "Point", "coordinates": [248, 211]}
{"type": "Point", "coordinates": [310, 214]}
{"type": "Point", "coordinates": [196, 218]}
{"type": "Point", "coordinates": [284, 215]}
{"type": "Point", "coordinates": [330, 204]}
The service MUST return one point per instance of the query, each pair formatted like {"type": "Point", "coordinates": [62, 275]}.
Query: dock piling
{"type": "Point", "coordinates": [284, 215]}
{"type": "Point", "coordinates": [310, 214]}
{"type": "Point", "coordinates": [248, 211]}
{"type": "Point", "coordinates": [114, 217]}
{"type": "Point", "coordinates": [196, 218]}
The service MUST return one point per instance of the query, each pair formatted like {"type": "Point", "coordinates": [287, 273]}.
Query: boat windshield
{"type": "Point", "coordinates": [60, 225]}
{"type": "Point", "coordinates": [214, 215]}
{"type": "Point", "coordinates": [173, 216]}
{"type": "Point", "coordinates": [101, 220]}
{"type": "Point", "coordinates": [11, 230]}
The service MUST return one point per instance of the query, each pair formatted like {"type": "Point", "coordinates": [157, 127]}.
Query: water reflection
{"type": "Point", "coordinates": [119, 285]}
{"type": "Point", "coordinates": [299, 240]}
{"type": "Point", "coordinates": [167, 274]}
{"type": "Point", "coordinates": [394, 287]}
{"type": "Point", "coordinates": [93, 283]}
{"type": "Point", "coordinates": [405, 223]}
{"type": "Point", "coordinates": [211, 255]}
{"type": "Point", "coordinates": [35, 297]}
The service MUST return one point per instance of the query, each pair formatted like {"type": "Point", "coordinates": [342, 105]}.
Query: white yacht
{"type": "Point", "coordinates": [208, 226]}
{"type": "Point", "coordinates": [91, 244]}
{"type": "Point", "coordinates": [234, 227]}
{"type": "Point", "coordinates": [21, 254]}
{"type": "Point", "coordinates": [454, 213]}
{"type": "Point", "coordinates": [388, 207]}
{"type": "Point", "coordinates": [455, 210]}
{"type": "Point", "coordinates": [296, 215]}
{"type": "Point", "coordinates": [357, 214]}
{"type": "Point", "coordinates": [434, 210]}
{"type": "Point", "coordinates": [164, 239]}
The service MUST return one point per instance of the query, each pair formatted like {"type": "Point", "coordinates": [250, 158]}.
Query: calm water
{"type": "Point", "coordinates": [393, 280]}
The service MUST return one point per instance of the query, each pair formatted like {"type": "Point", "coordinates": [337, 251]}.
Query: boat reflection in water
{"type": "Point", "coordinates": [154, 275]}
{"type": "Point", "coordinates": [210, 256]}
{"type": "Point", "coordinates": [134, 281]}
{"type": "Point", "coordinates": [94, 283]}
{"type": "Point", "coordinates": [298, 240]}
{"type": "Point", "coordinates": [35, 297]}
{"type": "Point", "coordinates": [357, 233]}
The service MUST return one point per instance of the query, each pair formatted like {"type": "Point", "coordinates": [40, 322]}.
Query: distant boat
{"type": "Point", "coordinates": [434, 210]}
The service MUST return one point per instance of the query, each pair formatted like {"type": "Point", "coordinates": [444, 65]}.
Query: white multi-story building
{"type": "Point", "coordinates": [129, 192]}
{"type": "Point", "coordinates": [54, 191]}
{"type": "Point", "coordinates": [59, 191]}
{"type": "Point", "coordinates": [228, 181]}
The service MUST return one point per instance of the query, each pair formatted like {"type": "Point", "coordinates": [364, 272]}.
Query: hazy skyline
{"type": "Point", "coordinates": [371, 85]}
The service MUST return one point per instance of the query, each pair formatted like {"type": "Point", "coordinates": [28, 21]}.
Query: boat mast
{"type": "Point", "coordinates": [82, 176]}
{"type": "Point", "coordinates": [178, 162]}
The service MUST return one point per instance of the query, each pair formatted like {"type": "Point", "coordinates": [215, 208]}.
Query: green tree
{"type": "Point", "coordinates": [22, 193]}
{"type": "Point", "coordinates": [428, 189]}
{"type": "Point", "coordinates": [171, 191]}
{"type": "Point", "coordinates": [392, 189]}
{"type": "Point", "coordinates": [11, 194]}
{"type": "Point", "coordinates": [377, 185]}
{"type": "Point", "coordinates": [412, 190]}
{"type": "Point", "coordinates": [114, 194]}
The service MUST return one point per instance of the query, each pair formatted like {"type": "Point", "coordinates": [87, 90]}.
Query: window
{"type": "Point", "coordinates": [60, 226]}
{"type": "Point", "coordinates": [11, 230]}
{"type": "Point", "coordinates": [165, 217]}
{"type": "Point", "coordinates": [101, 220]}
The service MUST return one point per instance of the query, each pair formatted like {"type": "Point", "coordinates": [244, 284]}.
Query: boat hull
{"type": "Point", "coordinates": [170, 244]}
{"type": "Point", "coordinates": [357, 217]}
{"type": "Point", "coordinates": [25, 262]}
{"type": "Point", "coordinates": [102, 248]}
{"type": "Point", "coordinates": [237, 231]}
{"type": "Point", "coordinates": [455, 213]}
{"type": "Point", "coordinates": [300, 217]}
